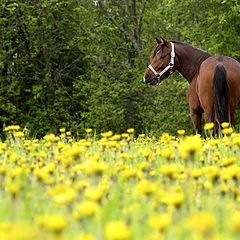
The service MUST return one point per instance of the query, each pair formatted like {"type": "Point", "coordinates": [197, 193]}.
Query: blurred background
{"type": "Point", "coordinates": [79, 63]}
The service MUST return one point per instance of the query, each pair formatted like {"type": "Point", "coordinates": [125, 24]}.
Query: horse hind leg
{"type": "Point", "coordinates": [232, 113]}
{"type": "Point", "coordinates": [209, 117]}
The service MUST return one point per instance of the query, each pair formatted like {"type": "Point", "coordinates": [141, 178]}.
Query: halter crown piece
{"type": "Point", "coordinates": [168, 67]}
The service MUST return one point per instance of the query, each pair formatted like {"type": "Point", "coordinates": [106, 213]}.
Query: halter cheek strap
{"type": "Point", "coordinates": [168, 67]}
{"type": "Point", "coordinates": [153, 70]}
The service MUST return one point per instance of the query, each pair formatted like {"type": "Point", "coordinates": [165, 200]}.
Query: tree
{"type": "Point", "coordinates": [40, 61]}
{"type": "Point", "coordinates": [78, 64]}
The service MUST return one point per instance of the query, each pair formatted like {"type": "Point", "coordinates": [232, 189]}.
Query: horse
{"type": "Point", "coordinates": [214, 81]}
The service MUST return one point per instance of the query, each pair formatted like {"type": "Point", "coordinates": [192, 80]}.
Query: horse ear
{"type": "Point", "coordinates": [163, 41]}
{"type": "Point", "coordinates": [158, 40]}
{"type": "Point", "coordinates": [165, 48]}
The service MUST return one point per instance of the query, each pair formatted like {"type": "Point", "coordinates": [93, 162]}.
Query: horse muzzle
{"type": "Point", "coordinates": [153, 80]}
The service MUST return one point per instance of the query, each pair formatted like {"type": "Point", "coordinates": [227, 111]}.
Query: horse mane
{"type": "Point", "coordinates": [192, 47]}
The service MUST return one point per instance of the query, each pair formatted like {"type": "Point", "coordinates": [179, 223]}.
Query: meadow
{"type": "Point", "coordinates": [119, 186]}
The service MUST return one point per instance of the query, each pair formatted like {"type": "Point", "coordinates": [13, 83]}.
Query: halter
{"type": "Point", "coordinates": [168, 67]}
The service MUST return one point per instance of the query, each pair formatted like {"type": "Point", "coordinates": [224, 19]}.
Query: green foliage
{"type": "Point", "coordinates": [79, 64]}
{"type": "Point", "coordinates": [163, 111]}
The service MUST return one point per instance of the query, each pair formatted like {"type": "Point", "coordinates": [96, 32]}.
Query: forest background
{"type": "Point", "coordinates": [79, 63]}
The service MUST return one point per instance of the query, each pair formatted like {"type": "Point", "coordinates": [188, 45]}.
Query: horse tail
{"type": "Point", "coordinates": [221, 94]}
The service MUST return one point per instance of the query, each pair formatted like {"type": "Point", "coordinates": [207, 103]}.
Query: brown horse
{"type": "Point", "coordinates": [214, 81]}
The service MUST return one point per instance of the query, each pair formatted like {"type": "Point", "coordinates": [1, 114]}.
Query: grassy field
{"type": "Point", "coordinates": [120, 186]}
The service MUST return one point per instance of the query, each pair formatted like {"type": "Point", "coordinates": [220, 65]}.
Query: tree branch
{"type": "Point", "coordinates": [125, 30]}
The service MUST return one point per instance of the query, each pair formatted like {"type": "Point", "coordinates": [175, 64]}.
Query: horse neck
{"type": "Point", "coordinates": [189, 60]}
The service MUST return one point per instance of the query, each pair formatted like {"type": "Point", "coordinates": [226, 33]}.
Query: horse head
{"type": "Point", "coordinates": [162, 62]}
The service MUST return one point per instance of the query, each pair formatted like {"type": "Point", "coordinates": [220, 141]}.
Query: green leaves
{"type": "Point", "coordinates": [80, 64]}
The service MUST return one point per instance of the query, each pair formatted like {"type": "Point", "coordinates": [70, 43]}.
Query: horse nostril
{"type": "Point", "coordinates": [146, 76]}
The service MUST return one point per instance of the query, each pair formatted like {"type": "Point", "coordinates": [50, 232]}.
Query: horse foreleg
{"type": "Point", "coordinates": [194, 105]}
{"type": "Point", "coordinates": [196, 116]}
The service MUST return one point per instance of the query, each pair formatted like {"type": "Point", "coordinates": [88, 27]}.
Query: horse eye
{"type": "Point", "coordinates": [160, 55]}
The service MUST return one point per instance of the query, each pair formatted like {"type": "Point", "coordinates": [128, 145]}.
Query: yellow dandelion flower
{"type": "Point", "coordinates": [227, 131]}
{"type": "Point", "coordinates": [144, 166]}
{"type": "Point", "coordinates": [145, 187]}
{"type": "Point", "coordinates": [223, 188]}
{"type": "Point", "coordinates": [130, 130]}
{"type": "Point", "coordinates": [226, 162]}
{"type": "Point", "coordinates": [153, 173]}
{"type": "Point", "coordinates": [208, 185]}
{"type": "Point", "coordinates": [3, 170]}
{"type": "Point", "coordinates": [170, 170]}
{"type": "Point", "coordinates": [3, 147]}
{"type": "Point", "coordinates": [225, 124]}
{"type": "Point", "coordinates": [125, 135]}
{"type": "Point", "coordinates": [85, 209]}
{"type": "Point", "coordinates": [229, 173]}
{"type": "Point", "coordinates": [160, 222]}
{"type": "Point", "coordinates": [94, 167]}
{"type": "Point", "coordinates": [212, 172]}
{"type": "Point", "coordinates": [167, 153]}
{"type": "Point", "coordinates": [181, 132]}
{"type": "Point", "coordinates": [94, 193]}
{"type": "Point", "coordinates": [68, 133]}
{"type": "Point", "coordinates": [116, 137]}
{"type": "Point", "coordinates": [12, 128]}
{"type": "Point", "coordinates": [208, 126]}
{"type": "Point", "coordinates": [88, 130]}
{"type": "Point", "coordinates": [202, 222]}
{"type": "Point", "coordinates": [43, 176]}
{"type": "Point", "coordinates": [196, 173]}
{"type": "Point", "coordinates": [166, 138]}
{"type": "Point", "coordinates": [234, 222]}
{"type": "Point", "coordinates": [85, 236]}
{"type": "Point", "coordinates": [190, 146]}
{"type": "Point", "coordinates": [124, 155]}
{"type": "Point", "coordinates": [146, 152]}
{"type": "Point", "coordinates": [81, 185]}
{"type": "Point", "coordinates": [13, 188]}
{"type": "Point", "coordinates": [17, 231]}
{"type": "Point", "coordinates": [117, 230]}
{"type": "Point", "coordinates": [129, 173]}
{"type": "Point", "coordinates": [52, 223]}
{"type": "Point", "coordinates": [236, 139]}
{"type": "Point", "coordinates": [156, 236]}
{"type": "Point", "coordinates": [62, 130]}
{"type": "Point", "coordinates": [66, 197]}
{"type": "Point", "coordinates": [107, 134]}
{"type": "Point", "coordinates": [51, 138]}
{"type": "Point", "coordinates": [175, 198]}
{"type": "Point", "coordinates": [19, 134]}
